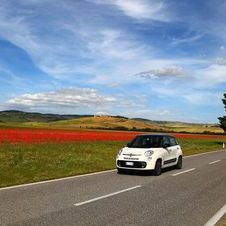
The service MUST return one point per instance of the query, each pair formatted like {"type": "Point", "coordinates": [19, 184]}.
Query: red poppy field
{"type": "Point", "coordinates": [50, 135]}
{"type": "Point", "coordinates": [53, 135]}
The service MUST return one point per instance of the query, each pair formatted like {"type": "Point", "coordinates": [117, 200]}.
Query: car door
{"type": "Point", "coordinates": [173, 150]}
{"type": "Point", "coordinates": [167, 151]}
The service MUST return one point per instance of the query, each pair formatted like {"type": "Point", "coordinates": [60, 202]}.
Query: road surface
{"type": "Point", "coordinates": [194, 195]}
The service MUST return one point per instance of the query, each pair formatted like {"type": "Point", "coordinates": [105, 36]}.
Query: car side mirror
{"type": "Point", "coordinates": [166, 145]}
{"type": "Point", "coordinates": [128, 144]}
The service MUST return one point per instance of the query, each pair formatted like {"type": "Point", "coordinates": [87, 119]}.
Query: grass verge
{"type": "Point", "coordinates": [222, 221]}
{"type": "Point", "coordinates": [25, 163]}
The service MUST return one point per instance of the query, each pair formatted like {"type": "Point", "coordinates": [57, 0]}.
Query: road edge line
{"type": "Point", "coordinates": [216, 217]}
{"type": "Point", "coordinates": [205, 153]}
{"type": "Point", "coordinates": [58, 179]}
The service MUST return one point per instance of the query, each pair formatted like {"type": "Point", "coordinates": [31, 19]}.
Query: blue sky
{"type": "Point", "coordinates": [155, 59]}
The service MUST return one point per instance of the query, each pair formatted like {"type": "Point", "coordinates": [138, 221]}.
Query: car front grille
{"type": "Point", "coordinates": [130, 154]}
{"type": "Point", "coordinates": [136, 164]}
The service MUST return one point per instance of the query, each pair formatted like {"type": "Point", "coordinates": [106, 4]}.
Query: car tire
{"type": "Point", "coordinates": [179, 162]}
{"type": "Point", "coordinates": [158, 168]}
{"type": "Point", "coordinates": [121, 171]}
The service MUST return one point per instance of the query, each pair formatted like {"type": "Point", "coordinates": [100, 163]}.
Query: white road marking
{"type": "Point", "coordinates": [106, 196]}
{"type": "Point", "coordinates": [212, 221]}
{"type": "Point", "coordinates": [186, 171]}
{"type": "Point", "coordinates": [214, 162]}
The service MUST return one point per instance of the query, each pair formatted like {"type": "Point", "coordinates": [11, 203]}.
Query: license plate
{"type": "Point", "coordinates": [129, 163]}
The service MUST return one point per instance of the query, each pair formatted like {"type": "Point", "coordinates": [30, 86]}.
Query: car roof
{"type": "Point", "coordinates": [159, 135]}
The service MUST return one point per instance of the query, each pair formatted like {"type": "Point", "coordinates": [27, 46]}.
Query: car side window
{"type": "Point", "coordinates": [165, 141]}
{"type": "Point", "coordinates": [173, 141]}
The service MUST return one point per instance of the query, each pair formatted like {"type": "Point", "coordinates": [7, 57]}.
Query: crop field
{"type": "Point", "coordinates": [53, 135]}
{"type": "Point", "coordinates": [58, 135]}
{"type": "Point", "coordinates": [30, 155]}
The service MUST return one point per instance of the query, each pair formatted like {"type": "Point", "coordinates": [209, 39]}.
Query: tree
{"type": "Point", "coordinates": [222, 119]}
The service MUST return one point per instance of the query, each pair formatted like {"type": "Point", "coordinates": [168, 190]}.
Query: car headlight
{"type": "Point", "coordinates": [120, 152]}
{"type": "Point", "coordinates": [148, 153]}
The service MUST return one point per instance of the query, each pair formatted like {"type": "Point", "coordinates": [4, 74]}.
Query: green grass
{"type": "Point", "coordinates": [25, 163]}
{"type": "Point", "coordinates": [222, 222]}
{"type": "Point", "coordinates": [196, 146]}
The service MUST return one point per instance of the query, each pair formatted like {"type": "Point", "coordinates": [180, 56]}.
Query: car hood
{"type": "Point", "coordinates": [127, 150]}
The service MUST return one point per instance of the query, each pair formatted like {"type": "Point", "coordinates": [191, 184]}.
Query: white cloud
{"type": "Point", "coordinates": [210, 76]}
{"type": "Point", "coordinates": [140, 9]}
{"type": "Point", "coordinates": [221, 61]}
{"type": "Point", "coordinates": [203, 97]}
{"type": "Point", "coordinates": [15, 30]}
{"type": "Point", "coordinates": [113, 85]}
{"type": "Point", "coordinates": [73, 49]}
{"type": "Point", "coordinates": [123, 71]}
{"type": "Point", "coordinates": [186, 40]}
{"type": "Point", "coordinates": [73, 100]}
{"type": "Point", "coordinates": [222, 48]}
{"type": "Point", "coordinates": [51, 47]}
{"type": "Point", "coordinates": [76, 98]}
{"type": "Point", "coordinates": [113, 44]}
{"type": "Point", "coordinates": [34, 2]}
{"type": "Point", "coordinates": [172, 71]}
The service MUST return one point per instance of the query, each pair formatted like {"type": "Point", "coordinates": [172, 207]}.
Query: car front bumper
{"type": "Point", "coordinates": [141, 164]}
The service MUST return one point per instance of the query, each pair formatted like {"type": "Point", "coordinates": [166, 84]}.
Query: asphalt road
{"type": "Point", "coordinates": [190, 196]}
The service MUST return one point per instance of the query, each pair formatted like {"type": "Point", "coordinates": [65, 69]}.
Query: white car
{"type": "Point", "coordinates": [150, 152]}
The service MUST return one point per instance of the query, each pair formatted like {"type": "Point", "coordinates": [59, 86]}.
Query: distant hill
{"type": "Point", "coordinates": [177, 126]}
{"type": "Point", "coordinates": [107, 122]}
{"type": "Point", "coordinates": [34, 119]}
{"type": "Point", "coordinates": [13, 116]}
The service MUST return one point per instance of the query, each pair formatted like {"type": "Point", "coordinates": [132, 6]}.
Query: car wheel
{"type": "Point", "coordinates": [121, 171]}
{"type": "Point", "coordinates": [158, 168]}
{"type": "Point", "coordinates": [179, 163]}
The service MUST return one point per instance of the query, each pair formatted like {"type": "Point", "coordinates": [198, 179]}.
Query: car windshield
{"type": "Point", "coordinates": [145, 142]}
